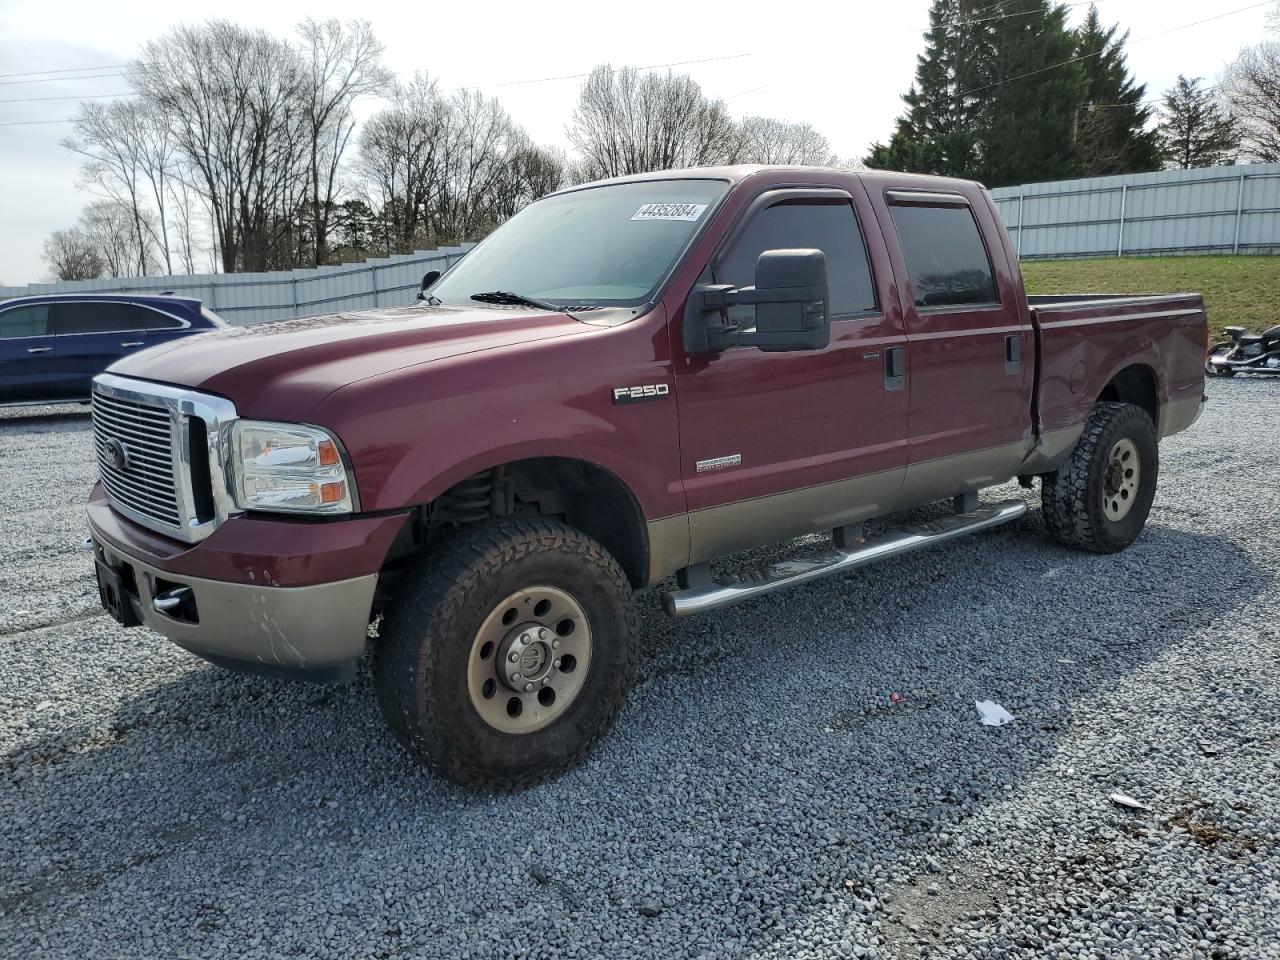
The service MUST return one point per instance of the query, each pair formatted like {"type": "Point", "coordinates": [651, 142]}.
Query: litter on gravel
{"type": "Point", "coordinates": [1126, 801]}
{"type": "Point", "coordinates": [991, 714]}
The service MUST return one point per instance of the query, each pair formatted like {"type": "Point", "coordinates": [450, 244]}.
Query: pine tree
{"type": "Point", "coordinates": [941, 130]}
{"type": "Point", "coordinates": [1032, 105]}
{"type": "Point", "coordinates": [1111, 127]}
{"type": "Point", "coordinates": [1194, 132]}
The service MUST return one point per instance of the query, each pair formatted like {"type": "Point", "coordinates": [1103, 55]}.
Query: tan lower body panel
{"type": "Point", "coordinates": [676, 542]}
{"type": "Point", "coordinates": [1178, 415]}
{"type": "Point", "coordinates": [734, 527]}
{"type": "Point", "coordinates": [668, 546]}
{"type": "Point", "coordinates": [963, 473]}
{"type": "Point", "coordinates": [1051, 451]}
{"type": "Point", "coordinates": [293, 628]}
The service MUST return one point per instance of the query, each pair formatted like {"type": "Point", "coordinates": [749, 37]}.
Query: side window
{"type": "Point", "coordinates": [94, 316]}
{"type": "Point", "coordinates": [946, 258]}
{"type": "Point", "coordinates": [32, 321]}
{"type": "Point", "coordinates": [144, 318]}
{"type": "Point", "coordinates": [831, 227]}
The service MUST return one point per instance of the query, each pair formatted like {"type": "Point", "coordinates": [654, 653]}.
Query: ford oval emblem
{"type": "Point", "coordinates": [117, 455]}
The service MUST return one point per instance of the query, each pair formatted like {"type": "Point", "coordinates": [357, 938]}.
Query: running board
{"type": "Point", "coordinates": [730, 590]}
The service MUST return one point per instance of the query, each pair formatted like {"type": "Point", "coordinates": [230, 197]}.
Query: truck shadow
{"type": "Point", "coordinates": [759, 739]}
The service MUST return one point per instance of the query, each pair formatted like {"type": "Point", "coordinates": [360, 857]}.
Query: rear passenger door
{"type": "Point", "coordinates": [28, 366]}
{"type": "Point", "coordinates": [93, 334]}
{"type": "Point", "coordinates": [970, 357]}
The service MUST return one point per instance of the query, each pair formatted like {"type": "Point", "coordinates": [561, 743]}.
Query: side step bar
{"type": "Point", "coordinates": [730, 590]}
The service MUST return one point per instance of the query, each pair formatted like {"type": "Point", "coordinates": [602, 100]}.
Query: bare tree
{"type": "Point", "coordinates": [184, 202]}
{"type": "Point", "coordinates": [630, 122]}
{"type": "Point", "coordinates": [1252, 90]}
{"type": "Point", "coordinates": [341, 64]}
{"type": "Point", "coordinates": [480, 139]}
{"type": "Point", "coordinates": [110, 227]}
{"type": "Point", "coordinates": [766, 140]}
{"type": "Point", "coordinates": [400, 161]}
{"type": "Point", "coordinates": [232, 97]}
{"type": "Point", "coordinates": [528, 173]}
{"type": "Point", "coordinates": [111, 136]}
{"type": "Point", "coordinates": [158, 160]}
{"type": "Point", "coordinates": [443, 170]}
{"type": "Point", "coordinates": [73, 255]}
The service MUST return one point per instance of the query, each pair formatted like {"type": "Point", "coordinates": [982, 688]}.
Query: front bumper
{"type": "Point", "coordinates": [314, 632]}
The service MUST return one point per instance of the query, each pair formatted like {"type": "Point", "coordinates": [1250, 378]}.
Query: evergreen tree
{"type": "Point", "coordinates": [941, 129]}
{"type": "Point", "coordinates": [1033, 103]}
{"type": "Point", "coordinates": [1111, 126]}
{"type": "Point", "coordinates": [1194, 132]}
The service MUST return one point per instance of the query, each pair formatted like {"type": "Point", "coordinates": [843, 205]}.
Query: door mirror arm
{"type": "Point", "coordinates": [791, 286]}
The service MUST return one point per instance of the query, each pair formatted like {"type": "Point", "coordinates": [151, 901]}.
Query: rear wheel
{"type": "Point", "coordinates": [508, 656]}
{"type": "Point", "coordinates": [1100, 498]}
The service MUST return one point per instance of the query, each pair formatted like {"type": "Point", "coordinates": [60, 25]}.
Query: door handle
{"type": "Point", "coordinates": [38, 349]}
{"type": "Point", "coordinates": [1013, 353]}
{"type": "Point", "coordinates": [131, 343]}
{"type": "Point", "coordinates": [895, 368]}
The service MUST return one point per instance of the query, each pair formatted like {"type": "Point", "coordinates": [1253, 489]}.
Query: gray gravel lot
{"type": "Point", "coordinates": [761, 795]}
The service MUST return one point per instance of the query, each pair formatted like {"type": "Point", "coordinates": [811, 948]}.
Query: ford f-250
{"type": "Point", "coordinates": [625, 382]}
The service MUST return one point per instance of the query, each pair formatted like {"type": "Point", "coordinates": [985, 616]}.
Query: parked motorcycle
{"type": "Point", "coordinates": [1245, 353]}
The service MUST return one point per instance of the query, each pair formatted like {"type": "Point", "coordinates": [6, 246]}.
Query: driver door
{"type": "Point", "coordinates": [775, 445]}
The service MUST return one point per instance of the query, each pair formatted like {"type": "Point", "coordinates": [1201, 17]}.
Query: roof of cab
{"type": "Point", "coordinates": [740, 172]}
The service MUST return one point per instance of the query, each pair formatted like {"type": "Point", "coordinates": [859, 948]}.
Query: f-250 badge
{"type": "Point", "coordinates": [649, 391]}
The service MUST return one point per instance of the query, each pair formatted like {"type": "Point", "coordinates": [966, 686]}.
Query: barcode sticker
{"type": "Point", "coordinates": [670, 211]}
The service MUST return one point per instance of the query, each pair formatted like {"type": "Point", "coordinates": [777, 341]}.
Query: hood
{"type": "Point", "coordinates": [298, 362]}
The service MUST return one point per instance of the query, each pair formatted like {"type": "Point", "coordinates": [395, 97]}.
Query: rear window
{"type": "Point", "coordinates": [946, 258]}
{"type": "Point", "coordinates": [29, 321]}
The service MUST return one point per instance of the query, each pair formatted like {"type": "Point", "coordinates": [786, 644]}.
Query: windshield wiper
{"type": "Point", "coordinates": [506, 298]}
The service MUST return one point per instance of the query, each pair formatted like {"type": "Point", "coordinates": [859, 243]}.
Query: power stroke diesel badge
{"type": "Point", "coordinates": [648, 391]}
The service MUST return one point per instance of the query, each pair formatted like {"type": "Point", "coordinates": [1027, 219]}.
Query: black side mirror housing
{"type": "Point", "coordinates": [428, 278]}
{"type": "Point", "coordinates": [790, 296]}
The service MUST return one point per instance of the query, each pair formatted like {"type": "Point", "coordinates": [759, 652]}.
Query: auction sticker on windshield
{"type": "Point", "coordinates": [670, 211]}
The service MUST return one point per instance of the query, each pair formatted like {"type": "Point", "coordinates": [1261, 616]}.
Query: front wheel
{"type": "Point", "coordinates": [508, 656]}
{"type": "Point", "coordinates": [1100, 498]}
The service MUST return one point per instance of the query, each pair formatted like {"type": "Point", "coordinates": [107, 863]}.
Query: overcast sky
{"type": "Point", "coordinates": [841, 66]}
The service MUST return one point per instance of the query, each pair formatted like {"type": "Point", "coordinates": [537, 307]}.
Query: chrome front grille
{"type": "Point", "coordinates": [136, 457]}
{"type": "Point", "coordinates": [160, 454]}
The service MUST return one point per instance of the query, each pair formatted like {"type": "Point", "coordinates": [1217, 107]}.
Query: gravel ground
{"type": "Point", "coordinates": [762, 795]}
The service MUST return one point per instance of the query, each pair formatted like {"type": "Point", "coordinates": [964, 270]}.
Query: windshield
{"type": "Point", "coordinates": [603, 246]}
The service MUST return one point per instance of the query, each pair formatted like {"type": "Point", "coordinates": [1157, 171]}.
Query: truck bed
{"type": "Point", "coordinates": [1162, 340]}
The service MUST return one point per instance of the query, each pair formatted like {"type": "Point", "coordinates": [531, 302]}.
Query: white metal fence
{"type": "Point", "coordinates": [242, 298]}
{"type": "Point", "coordinates": [1210, 210]}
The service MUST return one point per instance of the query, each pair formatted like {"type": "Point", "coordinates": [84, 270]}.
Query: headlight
{"type": "Point", "coordinates": [288, 468]}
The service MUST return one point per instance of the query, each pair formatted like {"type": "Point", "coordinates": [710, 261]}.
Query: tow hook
{"type": "Point", "coordinates": [171, 599]}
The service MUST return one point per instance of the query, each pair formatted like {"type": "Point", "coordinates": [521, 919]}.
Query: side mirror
{"type": "Point", "coordinates": [790, 297]}
{"type": "Point", "coordinates": [428, 278]}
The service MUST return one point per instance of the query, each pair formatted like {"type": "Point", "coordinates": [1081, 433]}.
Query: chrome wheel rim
{"type": "Point", "coordinates": [1120, 485]}
{"type": "Point", "coordinates": [529, 660]}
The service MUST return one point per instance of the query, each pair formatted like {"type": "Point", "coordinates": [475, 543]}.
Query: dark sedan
{"type": "Point", "coordinates": [51, 347]}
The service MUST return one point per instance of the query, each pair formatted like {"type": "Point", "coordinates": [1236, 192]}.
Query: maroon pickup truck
{"type": "Point", "coordinates": [625, 382]}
